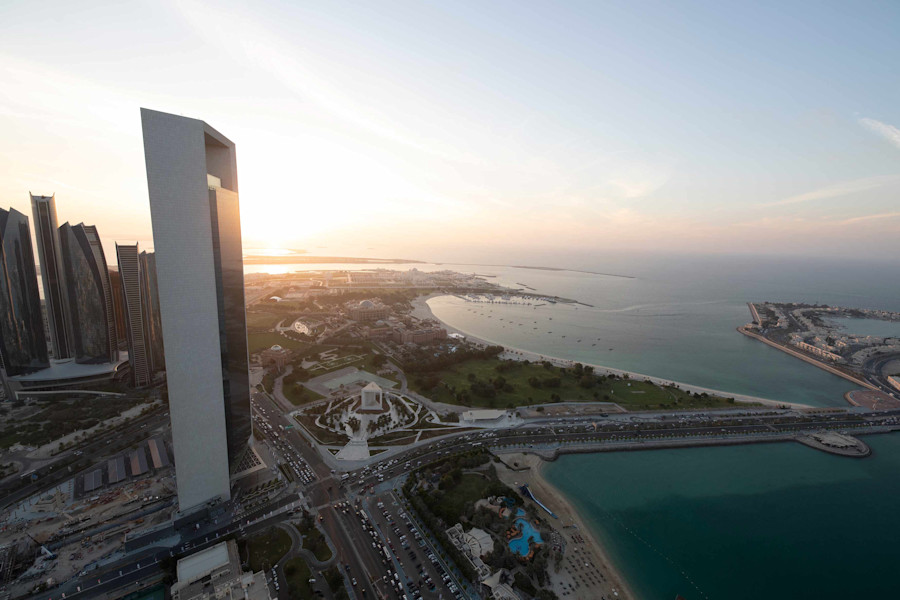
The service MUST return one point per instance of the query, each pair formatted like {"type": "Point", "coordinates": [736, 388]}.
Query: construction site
{"type": "Point", "coordinates": [82, 523]}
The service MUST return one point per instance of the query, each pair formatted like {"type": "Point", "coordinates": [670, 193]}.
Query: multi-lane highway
{"type": "Point", "coordinates": [82, 458]}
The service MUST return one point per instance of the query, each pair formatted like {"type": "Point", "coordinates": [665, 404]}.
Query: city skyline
{"type": "Point", "coordinates": [757, 136]}
{"type": "Point", "coordinates": [557, 301]}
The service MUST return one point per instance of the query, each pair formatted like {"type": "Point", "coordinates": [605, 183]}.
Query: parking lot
{"type": "Point", "coordinates": [425, 575]}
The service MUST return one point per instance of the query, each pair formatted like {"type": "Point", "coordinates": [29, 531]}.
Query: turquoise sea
{"type": "Point", "coordinates": [775, 521]}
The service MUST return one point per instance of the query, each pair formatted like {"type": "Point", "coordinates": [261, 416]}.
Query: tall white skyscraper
{"type": "Point", "coordinates": [192, 180]}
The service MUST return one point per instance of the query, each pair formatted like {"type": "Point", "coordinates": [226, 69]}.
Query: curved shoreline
{"type": "Point", "coordinates": [571, 523]}
{"type": "Point", "coordinates": [422, 310]}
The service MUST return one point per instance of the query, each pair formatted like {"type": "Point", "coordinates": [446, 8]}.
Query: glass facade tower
{"type": "Point", "coordinates": [225, 217]}
{"type": "Point", "coordinates": [23, 346]}
{"type": "Point", "coordinates": [130, 273]}
{"type": "Point", "coordinates": [46, 233]}
{"type": "Point", "coordinates": [89, 298]}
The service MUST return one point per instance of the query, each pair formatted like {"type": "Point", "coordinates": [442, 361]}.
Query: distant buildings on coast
{"type": "Point", "coordinates": [808, 328]}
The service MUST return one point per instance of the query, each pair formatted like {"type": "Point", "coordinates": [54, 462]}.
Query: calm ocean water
{"type": "Point", "coordinates": [775, 521]}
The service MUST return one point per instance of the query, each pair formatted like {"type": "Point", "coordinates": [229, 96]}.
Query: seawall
{"type": "Point", "coordinates": [551, 454]}
{"type": "Point", "coordinates": [825, 367]}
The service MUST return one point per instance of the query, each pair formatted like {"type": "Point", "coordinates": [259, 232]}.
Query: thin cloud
{"type": "Point", "coordinates": [888, 132]}
{"type": "Point", "coordinates": [888, 215]}
{"type": "Point", "coordinates": [841, 189]}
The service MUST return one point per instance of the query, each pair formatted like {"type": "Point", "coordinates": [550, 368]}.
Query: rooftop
{"type": "Point", "coordinates": [69, 369]}
{"type": "Point", "coordinates": [196, 565]}
{"type": "Point", "coordinates": [482, 415]}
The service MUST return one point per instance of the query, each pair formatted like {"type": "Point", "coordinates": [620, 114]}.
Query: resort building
{"type": "Point", "coordinates": [473, 544]}
{"type": "Point", "coordinates": [498, 590]}
{"type": "Point", "coordinates": [276, 355]}
{"type": "Point", "coordinates": [369, 311]}
{"type": "Point", "coordinates": [193, 188]}
{"type": "Point", "coordinates": [379, 331]}
{"type": "Point", "coordinates": [819, 351]}
{"type": "Point", "coordinates": [216, 573]}
{"type": "Point", "coordinates": [419, 336]}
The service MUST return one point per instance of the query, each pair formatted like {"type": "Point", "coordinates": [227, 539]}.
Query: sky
{"type": "Point", "coordinates": [475, 130]}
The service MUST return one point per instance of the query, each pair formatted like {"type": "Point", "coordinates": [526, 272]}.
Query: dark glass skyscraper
{"type": "Point", "coordinates": [225, 216]}
{"type": "Point", "coordinates": [152, 324]}
{"type": "Point", "coordinates": [46, 233]}
{"type": "Point", "coordinates": [23, 346]}
{"type": "Point", "coordinates": [138, 348]}
{"type": "Point", "coordinates": [138, 276]}
{"type": "Point", "coordinates": [89, 296]}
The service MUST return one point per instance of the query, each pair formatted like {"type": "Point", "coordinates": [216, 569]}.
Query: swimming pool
{"type": "Point", "coordinates": [519, 545]}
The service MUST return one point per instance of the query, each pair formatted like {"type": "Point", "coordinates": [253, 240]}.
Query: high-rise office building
{"type": "Point", "coordinates": [153, 325]}
{"type": "Point", "coordinates": [138, 314]}
{"type": "Point", "coordinates": [46, 232]}
{"type": "Point", "coordinates": [89, 298]}
{"type": "Point", "coordinates": [192, 180]}
{"type": "Point", "coordinates": [23, 346]}
{"type": "Point", "coordinates": [118, 301]}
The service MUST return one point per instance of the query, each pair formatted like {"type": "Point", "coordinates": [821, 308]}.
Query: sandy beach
{"type": "Point", "coordinates": [586, 572]}
{"type": "Point", "coordinates": [421, 310]}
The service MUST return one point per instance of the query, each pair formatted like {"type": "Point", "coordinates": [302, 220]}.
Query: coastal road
{"type": "Point", "coordinates": [875, 372]}
{"type": "Point", "coordinates": [558, 434]}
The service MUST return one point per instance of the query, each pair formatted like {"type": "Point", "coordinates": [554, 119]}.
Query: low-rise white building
{"type": "Point", "coordinates": [216, 573]}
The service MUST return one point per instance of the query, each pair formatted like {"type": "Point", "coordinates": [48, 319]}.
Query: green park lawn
{"type": "Point", "coordinates": [299, 395]}
{"type": "Point", "coordinates": [263, 321]}
{"type": "Point", "coordinates": [314, 541]}
{"type": "Point", "coordinates": [266, 549]}
{"type": "Point", "coordinates": [454, 385]}
{"type": "Point", "coordinates": [297, 573]}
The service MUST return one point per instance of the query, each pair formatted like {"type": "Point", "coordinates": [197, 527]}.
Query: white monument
{"type": "Point", "coordinates": [372, 397]}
